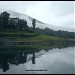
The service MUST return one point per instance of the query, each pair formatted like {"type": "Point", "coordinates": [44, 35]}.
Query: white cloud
{"type": "Point", "coordinates": [57, 13]}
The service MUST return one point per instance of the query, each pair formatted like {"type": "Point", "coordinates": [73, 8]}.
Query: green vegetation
{"type": "Point", "coordinates": [59, 33]}
{"type": "Point", "coordinates": [20, 25]}
{"type": "Point", "coordinates": [17, 34]}
{"type": "Point", "coordinates": [25, 36]}
{"type": "Point", "coordinates": [45, 37]}
{"type": "Point", "coordinates": [15, 31]}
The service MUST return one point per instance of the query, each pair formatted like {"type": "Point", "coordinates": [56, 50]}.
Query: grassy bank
{"type": "Point", "coordinates": [21, 35]}
{"type": "Point", "coordinates": [25, 38]}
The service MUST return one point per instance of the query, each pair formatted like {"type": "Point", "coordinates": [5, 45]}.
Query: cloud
{"type": "Point", "coordinates": [59, 13]}
{"type": "Point", "coordinates": [19, 6]}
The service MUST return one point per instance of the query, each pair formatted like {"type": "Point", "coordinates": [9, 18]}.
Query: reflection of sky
{"type": "Point", "coordinates": [59, 61]}
{"type": "Point", "coordinates": [55, 61]}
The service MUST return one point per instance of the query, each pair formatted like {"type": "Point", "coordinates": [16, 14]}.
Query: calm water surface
{"type": "Point", "coordinates": [51, 61]}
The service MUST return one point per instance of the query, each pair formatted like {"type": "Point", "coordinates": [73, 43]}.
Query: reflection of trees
{"type": "Point", "coordinates": [14, 58]}
{"type": "Point", "coordinates": [21, 58]}
{"type": "Point", "coordinates": [4, 64]}
{"type": "Point", "coordinates": [18, 57]}
{"type": "Point", "coordinates": [33, 58]}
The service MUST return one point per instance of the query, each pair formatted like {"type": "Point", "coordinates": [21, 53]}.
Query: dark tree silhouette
{"type": "Point", "coordinates": [22, 24]}
{"type": "Point", "coordinates": [4, 64]}
{"type": "Point", "coordinates": [33, 23]}
{"type": "Point", "coordinates": [33, 58]}
{"type": "Point", "coordinates": [5, 18]}
{"type": "Point", "coordinates": [13, 23]}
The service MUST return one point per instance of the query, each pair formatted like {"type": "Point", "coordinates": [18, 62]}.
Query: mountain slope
{"type": "Point", "coordinates": [38, 23]}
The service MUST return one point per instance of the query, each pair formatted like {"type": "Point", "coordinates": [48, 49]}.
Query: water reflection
{"type": "Point", "coordinates": [13, 56]}
{"type": "Point", "coordinates": [33, 58]}
{"type": "Point", "coordinates": [4, 64]}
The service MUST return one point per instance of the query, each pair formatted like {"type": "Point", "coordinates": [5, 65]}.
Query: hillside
{"type": "Point", "coordinates": [38, 23]}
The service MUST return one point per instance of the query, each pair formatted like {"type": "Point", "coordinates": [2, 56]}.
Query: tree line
{"type": "Point", "coordinates": [59, 33]}
{"type": "Point", "coordinates": [14, 23]}
{"type": "Point", "coordinates": [21, 24]}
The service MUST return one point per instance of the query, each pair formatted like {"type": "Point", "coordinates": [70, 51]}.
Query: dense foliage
{"type": "Point", "coordinates": [12, 23]}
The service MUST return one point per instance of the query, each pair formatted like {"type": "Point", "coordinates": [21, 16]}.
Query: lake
{"type": "Point", "coordinates": [51, 61]}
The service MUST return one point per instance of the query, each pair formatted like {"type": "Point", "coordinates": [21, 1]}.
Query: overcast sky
{"type": "Point", "coordinates": [59, 13]}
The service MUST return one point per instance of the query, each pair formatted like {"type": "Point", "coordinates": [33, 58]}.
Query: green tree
{"type": "Point", "coordinates": [22, 24]}
{"type": "Point", "coordinates": [13, 22]}
{"type": "Point", "coordinates": [5, 19]}
{"type": "Point", "coordinates": [33, 23]}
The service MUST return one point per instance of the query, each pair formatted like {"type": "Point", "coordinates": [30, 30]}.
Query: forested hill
{"type": "Point", "coordinates": [18, 24]}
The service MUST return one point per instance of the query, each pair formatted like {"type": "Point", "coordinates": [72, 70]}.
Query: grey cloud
{"type": "Point", "coordinates": [59, 13]}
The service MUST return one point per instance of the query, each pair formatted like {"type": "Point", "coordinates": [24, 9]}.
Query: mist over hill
{"type": "Point", "coordinates": [39, 24]}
